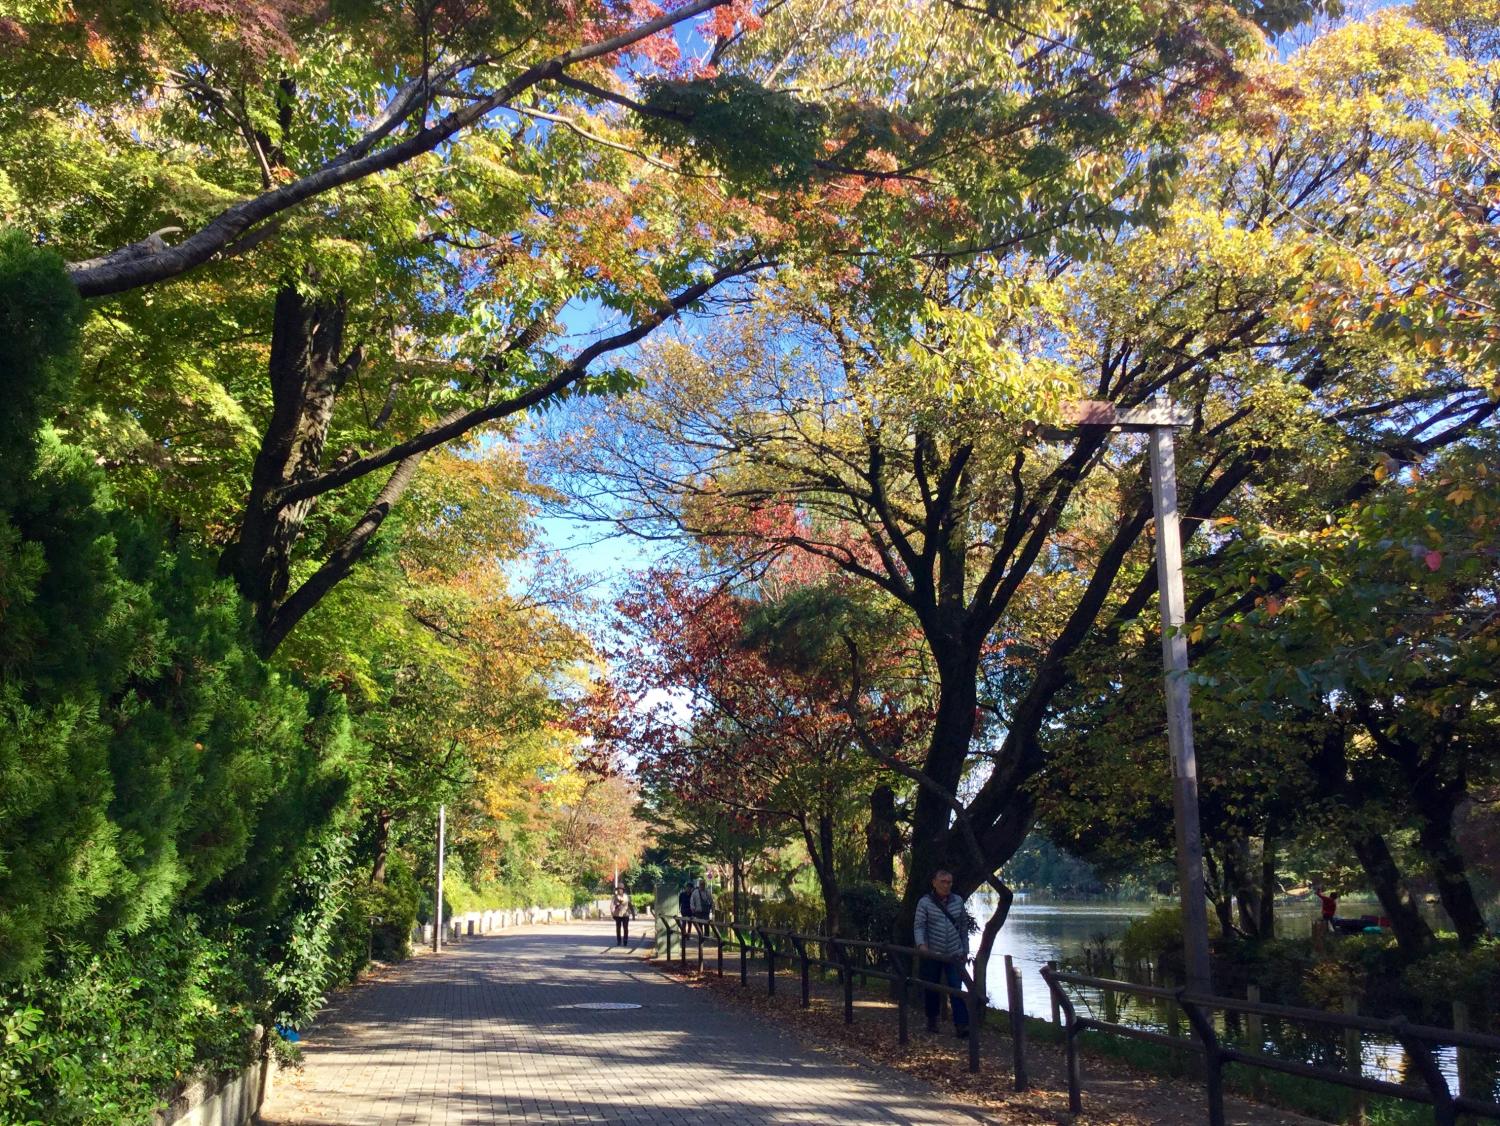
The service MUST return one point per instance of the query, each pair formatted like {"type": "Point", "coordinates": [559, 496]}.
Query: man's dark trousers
{"type": "Point", "coordinates": [945, 973]}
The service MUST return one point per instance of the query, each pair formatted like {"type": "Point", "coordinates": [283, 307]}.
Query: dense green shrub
{"type": "Point", "coordinates": [803, 915]}
{"type": "Point", "coordinates": [40, 319]}
{"type": "Point", "coordinates": [1454, 974]}
{"type": "Point", "coordinates": [172, 859]}
{"type": "Point", "coordinates": [870, 912]}
{"type": "Point", "coordinates": [380, 917]}
{"type": "Point", "coordinates": [106, 1030]}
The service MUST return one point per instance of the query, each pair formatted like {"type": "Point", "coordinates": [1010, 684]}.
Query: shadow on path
{"type": "Point", "coordinates": [488, 1032]}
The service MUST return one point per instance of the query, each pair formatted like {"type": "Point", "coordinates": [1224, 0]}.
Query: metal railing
{"type": "Point", "coordinates": [850, 959]}
{"type": "Point", "coordinates": [1415, 1040]}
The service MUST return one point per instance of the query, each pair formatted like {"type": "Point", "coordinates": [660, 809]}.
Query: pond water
{"type": "Point", "coordinates": [1039, 931]}
{"type": "Point", "coordinates": [1036, 933]}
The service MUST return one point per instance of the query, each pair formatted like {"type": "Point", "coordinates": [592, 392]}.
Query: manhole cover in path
{"type": "Point", "coordinates": [601, 1005]}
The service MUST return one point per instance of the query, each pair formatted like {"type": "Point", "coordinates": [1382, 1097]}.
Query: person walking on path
{"type": "Point", "coordinates": [622, 909]}
{"type": "Point", "coordinates": [942, 931]}
{"type": "Point", "coordinates": [702, 903]}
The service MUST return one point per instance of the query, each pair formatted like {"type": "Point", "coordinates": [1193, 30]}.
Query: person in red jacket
{"type": "Point", "coordinates": [1330, 903]}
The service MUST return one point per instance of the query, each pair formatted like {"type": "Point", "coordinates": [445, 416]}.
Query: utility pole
{"type": "Point", "coordinates": [1159, 422]}
{"type": "Point", "coordinates": [437, 930]}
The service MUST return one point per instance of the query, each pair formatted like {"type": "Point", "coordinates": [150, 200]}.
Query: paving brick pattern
{"type": "Point", "coordinates": [489, 1033]}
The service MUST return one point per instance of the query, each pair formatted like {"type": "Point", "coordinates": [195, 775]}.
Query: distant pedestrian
{"type": "Point", "coordinates": [622, 910]}
{"type": "Point", "coordinates": [942, 931]}
{"type": "Point", "coordinates": [685, 900]}
{"type": "Point", "coordinates": [702, 902]}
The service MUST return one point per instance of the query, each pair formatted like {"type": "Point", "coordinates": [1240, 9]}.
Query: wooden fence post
{"type": "Point", "coordinates": [1465, 1057]}
{"type": "Point", "coordinates": [903, 1033]}
{"type": "Point", "coordinates": [976, 1018]}
{"type": "Point", "coordinates": [1174, 1016]}
{"type": "Point", "coordinates": [841, 956]}
{"type": "Point", "coordinates": [1354, 1060]}
{"type": "Point", "coordinates": [1255, 1035]}
{"type": "Point", "coordinates": [1017, 1001]}
{"type": "Point", "coordinates": [801, 944]}
{"type": "Point", "coordinates": [1051, 967]}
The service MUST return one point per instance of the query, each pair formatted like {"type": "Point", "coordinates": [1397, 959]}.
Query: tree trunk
{"type": "Point", "coordinates": [1437, 806]}
{"type": "Point", "coordinates": [1436, 785]}
{"type": "Point", "coordinates": [1330, 767]}
{"type": "Point", "coordinates": [1267, 921]}
{"type": "Point", "coordinates": [1413, 935]}
{"type": "Point", "coordinates": [341, 560]}
{"type": "Point", "coordinates": [1003, 899]}
{"type": "Point", "coordinates": [882, 837]}
{"type": "Point", "coordinates": [737, 877]}
{"type": "Point", "coordinates": [1216, 885]}
{"type": "Point", "coordinates": [1237, 869]}
{"type": "Point", "coordinates": [382, 846]}
{"type": "Point", "coordinates": [306, 375]}
{"type": "Point", "coordinates": [820, 851]}
{"type": "Point", "coordinates": [934, 844]}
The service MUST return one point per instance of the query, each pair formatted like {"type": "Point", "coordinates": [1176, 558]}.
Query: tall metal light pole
{"type": "Point", "coordinates": [1159, 422]}
{"type": "Point", "coordinates": [437, 930]}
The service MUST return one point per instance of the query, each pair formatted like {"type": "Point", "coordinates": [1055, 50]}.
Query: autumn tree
{"type": "Point", "coordinates": [1382, 623]}
{"type": "Point", "coordinates": [905, 429]}
{"type": "Point", "coordinates": [313, 355]}
{"type": "Point", "coordinates": [693, 831]}
{"type": "Point", "coordinates": [760, 738]}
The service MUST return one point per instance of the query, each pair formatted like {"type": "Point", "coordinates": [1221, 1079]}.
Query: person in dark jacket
{"type": "Point", "coordinates": [941, 929]}
{"type": "Point", "coordinates": [622, 909]}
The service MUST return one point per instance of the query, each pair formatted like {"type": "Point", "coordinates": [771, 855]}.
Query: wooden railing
{"type": "Point", "coordinates": [849, 959]}
{"type": "Point", "coordinates": [1415, 1040]}
{"type": "Point", "coordinates": [901, 965]}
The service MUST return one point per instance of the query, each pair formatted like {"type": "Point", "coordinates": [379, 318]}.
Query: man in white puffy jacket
{"type": "Point", "coordinates": [942, 931]}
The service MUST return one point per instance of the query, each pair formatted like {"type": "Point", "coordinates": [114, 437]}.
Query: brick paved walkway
{"type": "Point", "coordinates": [489, 1033]}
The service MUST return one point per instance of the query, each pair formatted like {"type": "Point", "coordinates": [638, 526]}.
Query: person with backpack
{"type": "Point", "coordinates": [684, 907]}
{"type": "Point", "coordinates": [702, 902]}
{"type": "Point", "coordinates": [941, 930]}
{"type": "Point", "coordinates": [622, 909]}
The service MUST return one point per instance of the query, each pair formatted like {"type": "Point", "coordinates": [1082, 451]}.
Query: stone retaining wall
{"type": "Point", "coordinates": [229, 1100]}
{"type": "Point", "coordinates": [474, 923]}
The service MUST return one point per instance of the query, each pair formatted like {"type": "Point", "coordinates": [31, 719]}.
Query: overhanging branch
{"type": "Point", "coordinates": [458, 424]}
{"type": "Point", "coordinates": [144, 263]}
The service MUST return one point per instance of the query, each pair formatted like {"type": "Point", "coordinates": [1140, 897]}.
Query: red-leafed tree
{"type": "Point", "coordinates": [726, 708]}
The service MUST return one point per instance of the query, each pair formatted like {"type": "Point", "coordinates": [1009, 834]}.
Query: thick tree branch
{"type": "Point", "coordinates": [141, 264]}
{"type": "Point", "coordinates": [341, 560]}
{"type": "Point", "coordinates": [454, 426]}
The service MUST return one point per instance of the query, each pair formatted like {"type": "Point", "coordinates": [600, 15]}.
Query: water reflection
{"type": "Point", "coordinates": [1036, 933]}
